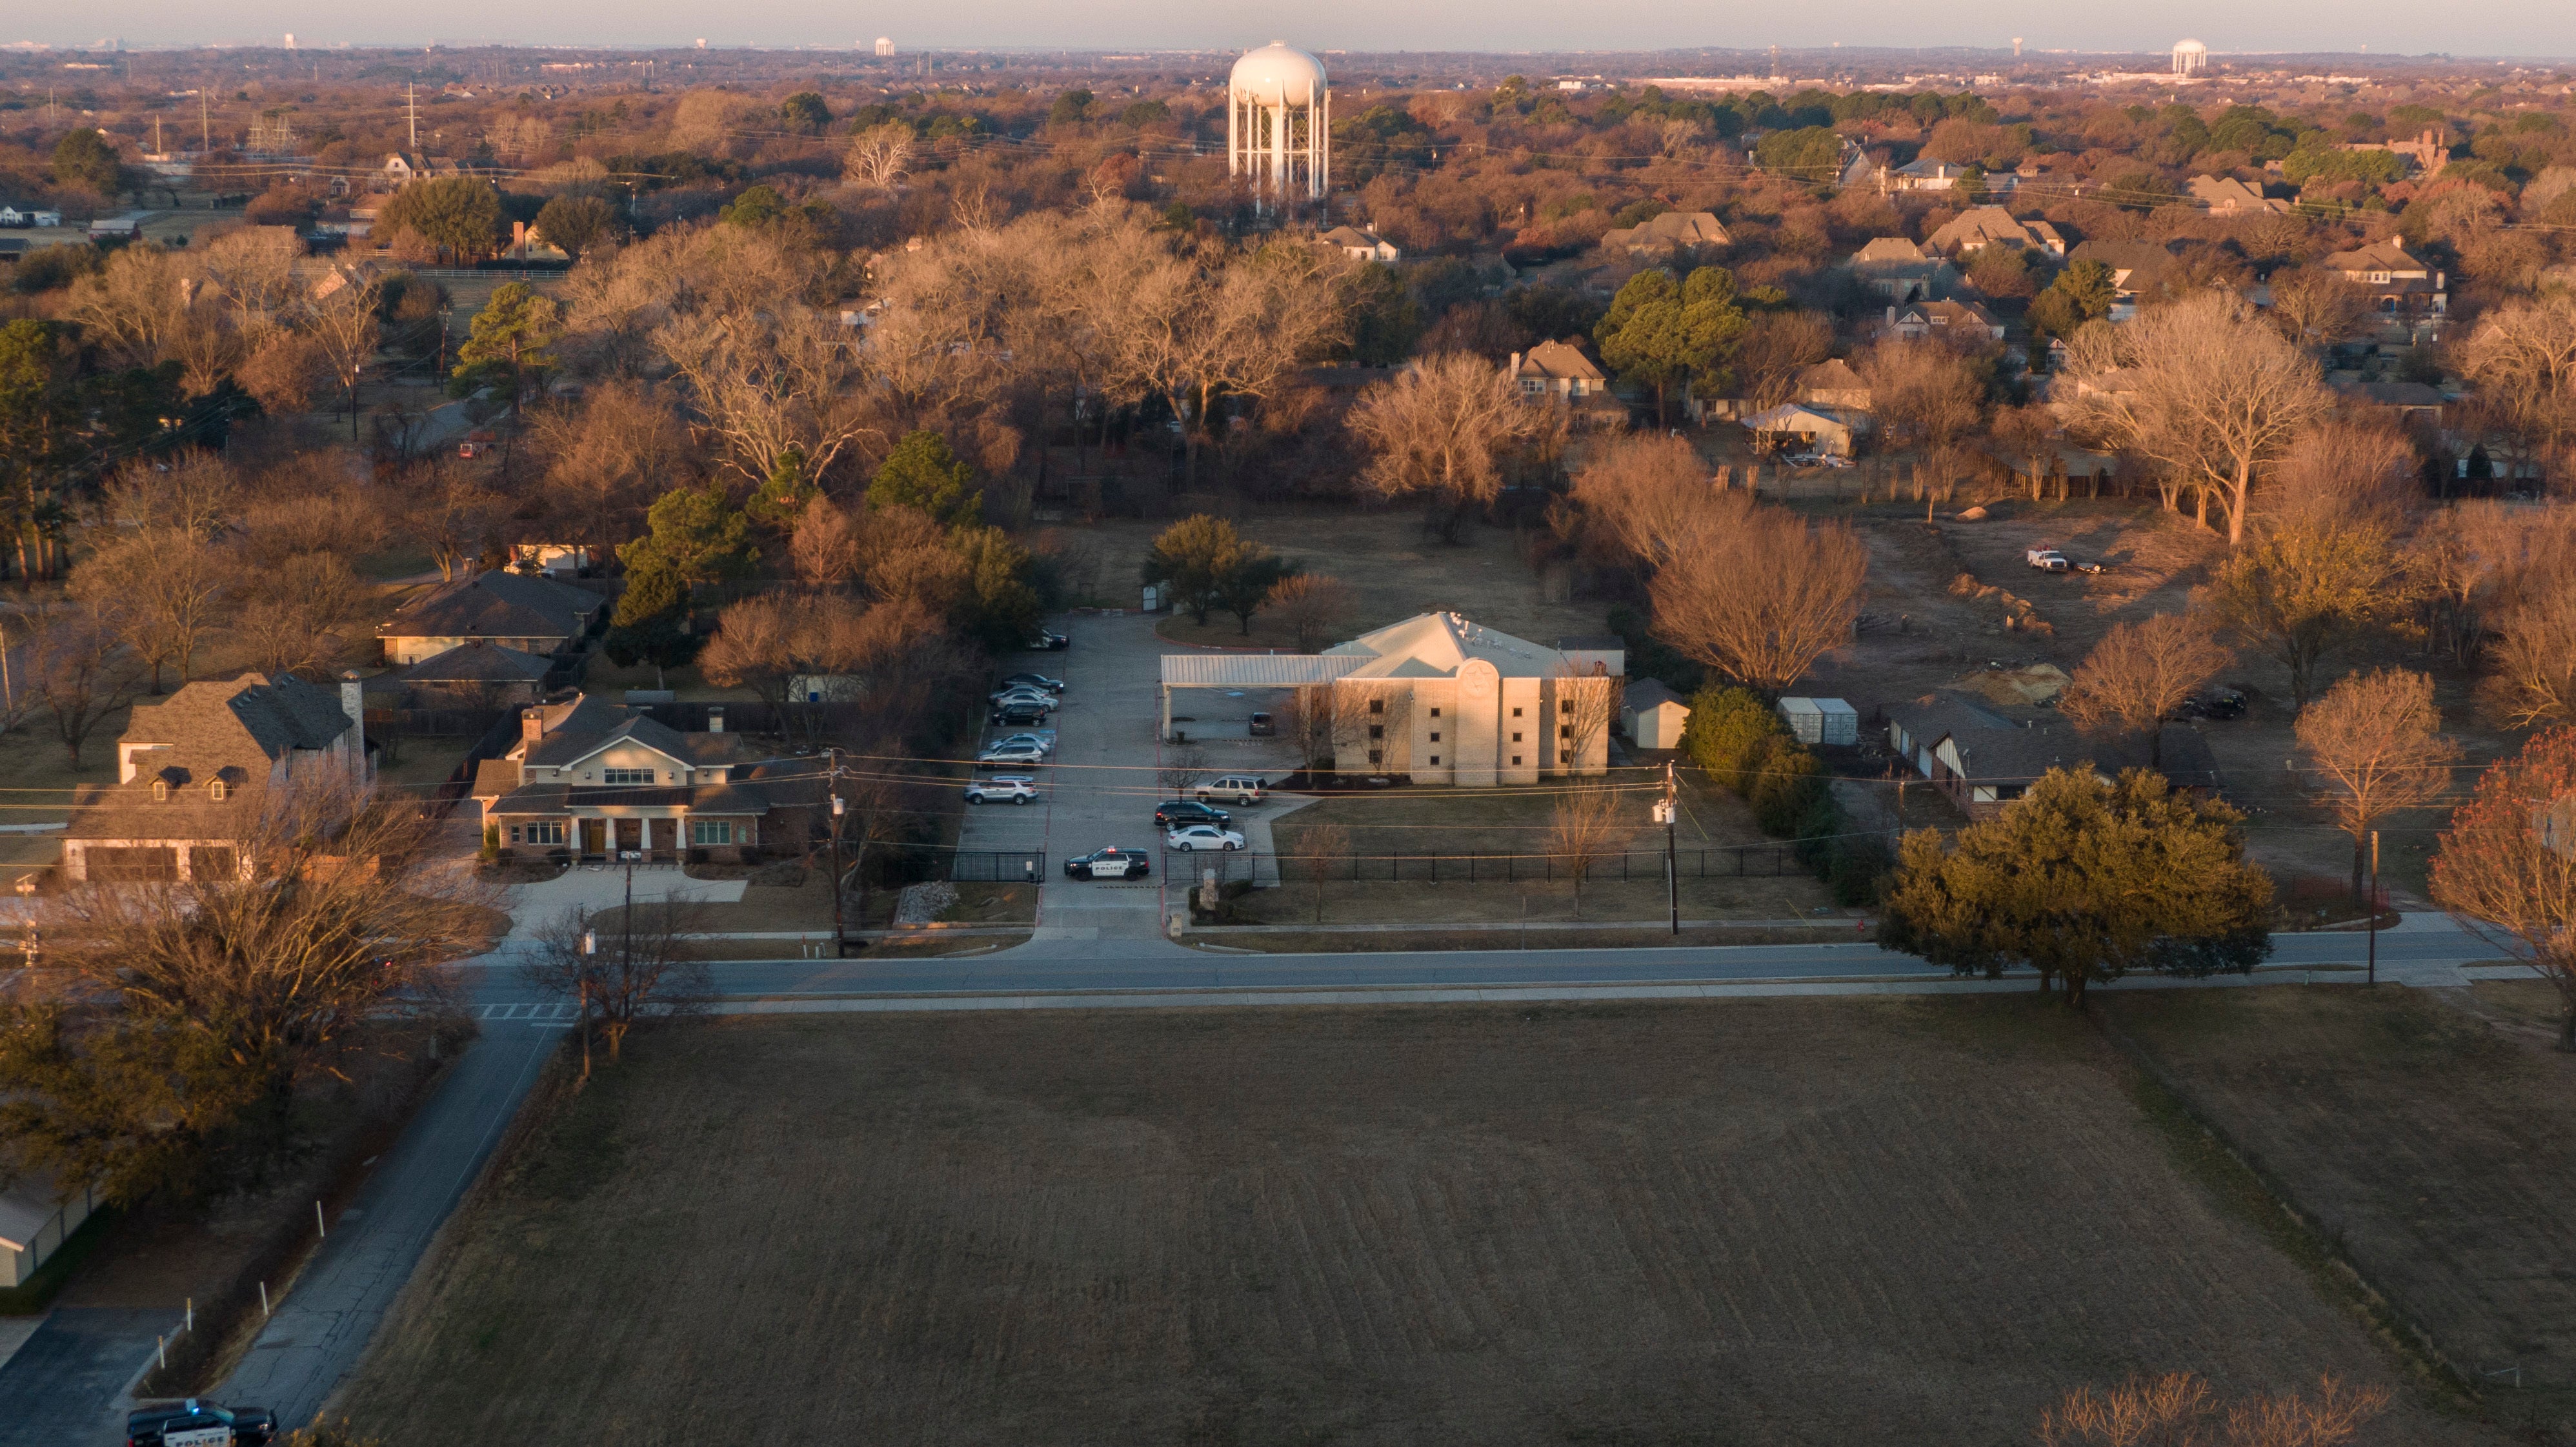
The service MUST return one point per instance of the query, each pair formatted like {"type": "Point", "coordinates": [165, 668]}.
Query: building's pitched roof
{"type": "Point", "coordinates": [1947, 314]}
{"type": "Point", "coordinates": [1790, 417]}
{"type": "Point", "coordinates": [495, 777]}
{"type": "Point", "coordinates": [495, 604]}
{"type": "Point", "coordinates": [2137, 264]}
{"type": "Point", "coordinates": [1350, 236]}
{"type": "Point", "coordinates": [1993, 748]}
{"type": "Point", "coordinates": [2377, 256]}
{"type": "Point", "coordinates": [1433, 645]}
{"type": "Point", "coordinates": [1832, 375]}
{"type": "Point", "coordinates": [2226, 193]}
{"type": "Point", "coordinates": [592, 725]}
{"type": "Point", "coordinates": [1928, 168]}
{"type": "Point", "coordinates": [1560, 360]}
{"type": "Point", "coordinates": [477, 662]}
{"type": "Point", "coordinates": [1672, 228]}
{"type": "Point", "coordinates": [1888, 248]}
{"type": "Point", "coordinates": [234, 731]}
{"type": "Point", "coordinates": [1990, 226]}
{"type": "Point", "coordinates": [1647, 693]}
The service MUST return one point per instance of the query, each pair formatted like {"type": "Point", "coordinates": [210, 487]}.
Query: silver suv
{"type": "Point", "coordinates": [1002, 788]}
{"type": "Point", "coordinates": [1243, 789]}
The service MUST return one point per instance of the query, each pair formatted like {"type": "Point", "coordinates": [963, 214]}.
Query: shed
{"type": "Point", "coordinates": [34, 1225]}
{"type": "Point", "coordinates": [1821, 720]}
{"type": "Point", "coordinates": [1804, 427]}
{"type": "Point", "coordinates": [1653, 715]}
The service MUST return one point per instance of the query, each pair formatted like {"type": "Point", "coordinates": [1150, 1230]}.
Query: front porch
{"type": "Point", "coordinates": [644, 834]}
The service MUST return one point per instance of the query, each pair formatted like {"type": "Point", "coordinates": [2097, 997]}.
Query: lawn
{"type": "Point", "coordinates": [1788, 1221]}
{"type": "Point", "coordinates": [2438, 1149]}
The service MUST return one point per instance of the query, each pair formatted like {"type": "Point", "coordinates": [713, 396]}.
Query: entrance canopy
{"type": "Point", "coordinates": [1249, 670]}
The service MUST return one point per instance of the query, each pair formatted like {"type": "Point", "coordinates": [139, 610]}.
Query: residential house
{"type": "Point", "coordinates": [128, 225]}
{"type": "Point", "coordinates": [1983, 759]}
{"type": "Point", "coordinates": [2138, 269]}
{"type": "Point", "coordinates": [533, 615]}
{"type": "Point", "coordinates": [1360, 245]}
{"type": "Point", "coordinates": [1902, 271]}
{"type": "Point", "coordinates": [592, 779]}
{"type": "Point", "coordinates": [2424, 155]}
{"type": "Point", "coordinates": [338, 275]}
{"type": "Point", "coordinates": [528, 244]}
{"type": "Point", "coordinates": [555, 560]}
{"type": "Point", "coordinates": [1808, 429]}
{"type": "Point", "coordinates": [474, 675]}
{"type": "Point", "coordinates": [1653, 716]}
{"type": "Point", "coordinates": [194, 772]}
{"type": "Point", "coordinates": [1982, 226]}
{"type": "Point", "coordinates": [36, 1218]}
{"type": "Point", "coordinates": [1833, 384]}
{"type": "Point", "coordinates": [1942, 319]}
{"type": "Point", "coordinates": [2227, 196]}
{"type": "Point", "coordinates": [2401, 287]}
{"type": "Point", "coordinates": [1560, 372]}
{"type": "Point", "coordinates": [2402, 400]}
{"type": "Point", "coordinates": [1926, 175]}
{"type": "Point", "coordinates": [1449, 701]}
{"type": "Point", "coordinates": [29, 216]}
{"type": "Point", "coordinates": [1660, 236]}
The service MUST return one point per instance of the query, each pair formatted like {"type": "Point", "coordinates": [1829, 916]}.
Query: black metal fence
{"type": "Point", "coordinates": [1734, 861]}
{"type": "Point", "coordinates": [997, 866]}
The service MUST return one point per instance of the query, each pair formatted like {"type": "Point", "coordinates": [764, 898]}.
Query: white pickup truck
{"type": "Point", "coordinates": [2047, 560]}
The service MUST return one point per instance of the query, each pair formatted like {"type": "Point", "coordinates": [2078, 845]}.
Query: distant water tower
{"type": "Point", "coordinates": [2190, 58]}
{"type": "Point", "coordinates": [290, 40]}
{"type": "Point", "coordinates": [884, 46]}
{"type": "Point", "coordinates": [1278, 125]}
{"type": "Point", "coordinates": [2016, 47]}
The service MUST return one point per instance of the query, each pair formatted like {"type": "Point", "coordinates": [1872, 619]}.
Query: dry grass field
{"type": "Point", "coordinates": [1777, 1221]}
{"type": "Point", "coordinates": [2438, 1149]}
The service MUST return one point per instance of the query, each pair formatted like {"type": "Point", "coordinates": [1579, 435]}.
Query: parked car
{"type": "Point", "coordinates": [1109, 863]}
{"type": "Point", "coordinates": [193, 1423]}
{"type": "Point", "coordinates": [1264, 726]}
{"type": "Point", "coordinates": [1188, 811]}
{"type": "Point", "coordinates": [1043, 738]}
{"type": "Point", "coordinates": [1023, 693]}
{"type": "Point", "coordinates": [1045, 642]}
{"type": "Point", "coordinates": [1034, 680]}
{"type": "Point", "coordinates": [2211, 703]}
{"type": "Point", "coordinates": [1002, 789]}
{"type": "Point", "coordinates": [2047, 560]}
{"type": "Point", "coordinates": [1244, 789]}
{"type": "Point", "coordinates": [1019, 715]}
{"type": "Point", "coordinates": [1191, 837]}
{"type": "Point", "coordinates": [1804, 459]}
{"type": "Point", "coordinates": [1012, 754]}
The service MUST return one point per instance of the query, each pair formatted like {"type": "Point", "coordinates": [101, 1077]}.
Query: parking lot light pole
{"type": "Point", "coordinates": [2372, 904]}
{"type": "Point", "coordinates": [1669, 809]}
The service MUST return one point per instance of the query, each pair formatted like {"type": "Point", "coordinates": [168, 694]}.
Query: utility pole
{"type": "Point", "coordinates": [411, 108]}
{"type": "Point", "coordinates": [1668, 809]}
{"type": "Point", "coordinates": [2373, 905]}
{"type": "Point", "coordinates": [205, 134]}
{"type": "Point", "coordinates": [581, 979]}
{"type": "Point", "coordinates": [840, 936]}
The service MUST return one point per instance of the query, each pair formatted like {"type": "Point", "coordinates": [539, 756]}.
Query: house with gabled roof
{"type": "Point", "coordinates": [1983, 759]}
{"type": "Point", "coordinates": [595, 780]}
{"type": "Point", "coordinates": [2227, 196]}
{"type": "Point", "coordinates": [1833, 383]}
{"type": "Point", "coordinates": [1360, 245]}
{"type": "Point", "coordinates": [1943, 319]}
{"type": "Point", "coordinates": [475, 675]}
{"type": "Point", "coordinates": [1902, 271]}
{"type": "Point", "coordinates": [1982, 226]}
{"type": "Point", "coordinates": [2402, 288]}
{"type": "Point", "coordinates": [512, 610]}
{"type": "Point", "coordinates": [195, 772]}
{"type": "Point", "coordinates": [1661, 235]}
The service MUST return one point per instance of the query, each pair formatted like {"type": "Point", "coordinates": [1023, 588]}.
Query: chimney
{"type": "Point", "coordinates": [532, 725]}
{"type": "Point", "coordinates": [1891, 316]}
{"type": "Point", "coordinates": [715, 719]}
{"type": "Point", "coordinates": [353, 702]}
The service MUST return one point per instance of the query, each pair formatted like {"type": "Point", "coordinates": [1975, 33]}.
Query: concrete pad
{"type": "Point", "coordinates": [597, 889]}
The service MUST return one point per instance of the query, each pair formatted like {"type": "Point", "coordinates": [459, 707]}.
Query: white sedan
{"type": "Point", "coordinates": [1191, 837]}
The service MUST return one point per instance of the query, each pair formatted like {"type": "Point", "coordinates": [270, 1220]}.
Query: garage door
{"type": "Point", "coordinates": [133, 864]}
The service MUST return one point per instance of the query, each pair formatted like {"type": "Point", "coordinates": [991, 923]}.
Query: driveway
{"type": "Point", "coordinates": [66, 1383]}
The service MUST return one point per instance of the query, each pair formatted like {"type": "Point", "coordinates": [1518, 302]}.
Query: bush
{"type": "Point", "coordinates": [1727, 726]}
{"type": "Point", "coordinates": [1787, 781]}
{"type": "Point", "coordinates": [1855, 867]}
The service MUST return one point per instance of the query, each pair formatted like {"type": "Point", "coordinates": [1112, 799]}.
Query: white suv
{"type": "Point", "coordinates": [1012, 788]}
{"type": "Point", "coordinates": [1245, 789]}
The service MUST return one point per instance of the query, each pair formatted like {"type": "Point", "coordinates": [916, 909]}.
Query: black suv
{"type": "Point", "coordinates": [1187, 811]}
{"type": "Point", "coordinates": [1019, 715]}
{"type": "Point", "coordinates": [153, 1426]}
{"type": "Point", "coordinates": [2215, 703]}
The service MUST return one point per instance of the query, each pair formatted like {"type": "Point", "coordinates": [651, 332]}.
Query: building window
{"type": "Point", "coordinates": [1435, 736]}
{"type": "Point", "coordinates": [161, 787]}
{"type": "Point", "coordinates": [215, 791]}
{"type": "Point", "coordinates": [1435, 761]}
{"type": "Point", "coordinates": [1435, 713]}
{"type": "Point", "coordinates": [1516, 713]}
{"type": "Point", "coordinates": [711, 831]}
{"type": "Point", "coordinates": [1516, 738]}
{"type": "Point", "coordinates": [1565, 731]}
{"type": "Point", "coordinates": [544, 831]}
{"type": "Point", "coordinates": [1516, 761]}
{"type": "Point", "coordinates": [1377, 705]}
{"type": "Point", "coordinates": [627, 776]}
{"type": "Point", "coordinates": [1565, 705]}
{"type": "Point", "coordinates": [1377, 756]}
{"type": "Point", "coordinates": [1377, 731]}
{"type": "Point", "coordinates": [1565, 756]}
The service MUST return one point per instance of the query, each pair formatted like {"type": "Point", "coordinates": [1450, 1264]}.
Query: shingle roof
{"type": "Point", "coordinates": [1560, 359]}
{"type": "Point", "coordinates": [496, 605]}
{"type": "Point", "coordinates": [234, 731]}
{"type": "Point", "coordinates": [1990, 225]}
{"type": "Point", "coordinates": [1434, 645]}
{"type": "Point", "coordinates": [1672, 228]}
{"type": "Point", "coordinates": [1648, 693]}
{"type": "Point", "coordinates": [1833, 375]}
{"type": "Point", "coordinates": [477, 662]}
{"type": "Point", "coordinates": [2377, 256]}
{"type": "Point", "coordinates": [1888, 248]}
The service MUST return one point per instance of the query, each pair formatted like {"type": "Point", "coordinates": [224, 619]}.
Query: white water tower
{"type": "Point", "coordinates": [2190, 58]}
{"type": "Point", "coordinates": [1278, 125]}
{"type": "Point", "coordinates": [884, 46]}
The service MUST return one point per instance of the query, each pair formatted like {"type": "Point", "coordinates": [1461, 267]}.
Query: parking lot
{"type": "Point", "coordinates": [1101, 785]}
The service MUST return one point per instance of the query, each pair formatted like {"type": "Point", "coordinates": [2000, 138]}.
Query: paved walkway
{"type": "Point", "coordinates": [66, 1383]}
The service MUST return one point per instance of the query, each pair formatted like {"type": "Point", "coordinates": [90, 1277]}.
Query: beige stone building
{"type": "Point", "coordinates": [1449, 701]}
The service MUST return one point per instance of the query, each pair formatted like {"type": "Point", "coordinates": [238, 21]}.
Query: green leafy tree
{"type": "Point", "coordinates": [2301, 593]}
{"type": "Point", "coordinates": [1727, 731]}
{"type": "Point", "coordinates": [1190, 560]}
{"type": "Point", "coordinates": [1070, 108]}
{"type": "Point", "coordinates": [1809, 153]}
{"type": "Point", "coordinates": [923, 473]}
{"type": "Point", "coordinates": [1658, 331]}
{"type": "Point", "coordinates": [1385, 319]}
{"type": "Point", "coordinates": [458, 215]}
{"type": "Point", "coordinates": [697, 535]}
{"type": "Point", "coordinates": [2083, 880]}
{"type": "Point", "coordinates": [84, 158]}
{"type": "Point", "coordinates": [2081, 293]}
{"type": "Point", "coordinates": [1002, 608]}
{"type": "Point", "coordinates": [1145, 113]}
{"type": "Point", "coordinates": [804, 113]}
{"type": "Point", "coordinates": [782, 498]}
{"type": "Point", "coordinates": [509, 340]}
{"type": "Point", "coordinates": [651, 623]}
{"type": "Point", "coordinates": [578, 224]}
{"type": "Point", "coordinates": [756, 206]}
{"type": "Point", "coordinates": [1243, 587]}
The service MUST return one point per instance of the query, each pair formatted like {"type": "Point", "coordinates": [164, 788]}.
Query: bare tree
{"type": "Point", "coordinates": [2532, 678]}
{"type": "Point", "coordinates": [2314, 307]}
{"type": "Point", "coordinates": [1651, 497]}
{"type": "Point", "coordinates": [2506, 868]}
{"type": "Point", "coordinates": [2348, 469]}
{"type": "Point", "coordinates": [2206, 390]}
{"type": "Point", "coordinates": [1317, 847]}
{"type": "Point", "coordinates": [166, 586]}
{"type": "Point", "coordinates": [195, 491]}
{"type": "Point", "coordinates": [1776, 347]}
{"type": "Point", "coordinates": [771, 380]}
{"type": "Point", "coordinates": [299, 615]}
{"type": "Point", "coordinates": [606, 459]}
{"type": "Point", "coordinates": [878, 155]}
{"type": "Point", "coordinates": [2140, 673]}
{"type": "Point", "coordinates": [1181, 767]}
{"type": "Point", "coordinates": [1307, 722]}
{"type": "Point", "coordinates": [825, 547]}
{"type": "Point", "coordinates": [1923, 393]}
{"type": "Point", "coordinates": [1579, 831]}
{"type": "Point", "coordinates": [2179, 1410]}
{"type": "Point", "coordinates": [1313, 605]}
{"type": "Point", "coordinates": [1440, 430]}
{"type": "Point", "coordinates": [80, 666]}
{"type": "Point", "coordinates": [2376, 744]}
{"type": "Point", "coordinates": [345, 324]}
{"type": "Point", "coordinates": [643, 961]}
{"type": "Point", "coordinates": [2302, 593]}
{"type": "Point", "coordinates": [754, 647]}
{"type": "Point", "coordinates": [2523, 356]}
{"type": "Point", "coordinates": [1587, 704]}
{"type": "Point", "coordinates": [1765, 600]}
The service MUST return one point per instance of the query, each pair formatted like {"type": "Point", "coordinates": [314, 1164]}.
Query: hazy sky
{"type": "Point", "coordinates": [2483, 27]}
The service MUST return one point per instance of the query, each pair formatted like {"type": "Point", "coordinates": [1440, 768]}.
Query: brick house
{"type": "Point", "coordinates": [512, 610]}
{"type": "Point", "coordinates": [593, 780]}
